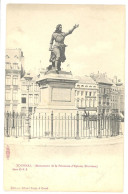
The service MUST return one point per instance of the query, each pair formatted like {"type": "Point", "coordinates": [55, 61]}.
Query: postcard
{"type": "Point", "coordinates": [64, 98]}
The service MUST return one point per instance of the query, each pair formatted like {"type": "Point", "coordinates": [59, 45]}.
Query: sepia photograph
{"type": "Point", "coordinates": [64, 109]}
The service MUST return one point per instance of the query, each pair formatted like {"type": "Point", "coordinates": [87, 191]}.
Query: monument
{"type": "Point", "coordinates": [57, 87]}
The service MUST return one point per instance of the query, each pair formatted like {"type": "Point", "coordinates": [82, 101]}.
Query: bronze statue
{"type": "Point", "coordinates": [58, 49]}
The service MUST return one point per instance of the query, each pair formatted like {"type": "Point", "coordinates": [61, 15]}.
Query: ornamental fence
{"type": "Point", "coordinates": [61, 125]}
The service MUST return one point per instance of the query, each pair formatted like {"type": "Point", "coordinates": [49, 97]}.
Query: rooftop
{"type": "Point", "coordinates": [85, 79]}
{"type": "Point", "coordinates": [101, 78]}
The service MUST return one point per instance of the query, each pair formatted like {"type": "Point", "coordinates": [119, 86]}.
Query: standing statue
{"type": "Point", "coordinates": [58, 49]}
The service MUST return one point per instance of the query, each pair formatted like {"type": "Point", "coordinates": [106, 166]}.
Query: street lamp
{"type": "Point", "coordinates": [28, 78]}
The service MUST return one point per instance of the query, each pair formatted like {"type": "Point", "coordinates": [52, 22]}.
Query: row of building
{"type": "Point", "coordinates": [95, 93]}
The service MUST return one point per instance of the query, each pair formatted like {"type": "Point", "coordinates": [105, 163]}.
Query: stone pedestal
{"type": "Point", "coordinates": [57, 92]}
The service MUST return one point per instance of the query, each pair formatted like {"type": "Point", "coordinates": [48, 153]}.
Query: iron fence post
{"type": "Point", "coordinates": [52, 125]}
{"type": "Point", "coordinates": [7, 124]}
{"type": "Point", "coordinates": [106, 121]}
{"type": "Point", "coordinates": [13, 119]}
{"type": "Point", "coordinates": [119, 126]}
{"type": "Point", "coordinates": [77, 119]}
{"type": "Point", "coordinates": [29, 125]}
{"type": "Point", "coordinates": [39, 126]}
{"type": "Point", "coordinates": [112, 125]}
{"type": "Point", "coordinates": [99, 132]}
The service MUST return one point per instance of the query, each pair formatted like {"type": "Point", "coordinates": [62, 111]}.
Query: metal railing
{"type": "Point", "coordinates": [51, 125]}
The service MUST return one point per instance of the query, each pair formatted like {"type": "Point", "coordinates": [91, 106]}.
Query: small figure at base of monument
{"type": "Point", "coordinates": [58, 49]}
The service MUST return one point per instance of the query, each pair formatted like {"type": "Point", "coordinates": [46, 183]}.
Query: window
{"type": "Point", "coordinates": [90, 102]}
{"type": "Point", "coordinates": [30, 98]}
{"type": "Point", "coordinates": [36, 98]}
{"type": "Point", "coordinates": [107, 110]}
{"type": "Point", "coordinates": [107, 91]}
{"type": "Point", "coordinates": [90, 93]}
{"type": "Point", "coordinates": [99, 90]}
{"type": "Point", "coordinates": [86, 93]}
{"type": "Point", "coordinates": [8, 80]}
{"type": "Point", "coordinates": [102, 90]}
{"type": "Point", "coordinates": [23, 99]}
{"type": "Point", "coordinates": [15, 97]}
{"type": "Point", "coordinates": [87, 103]}
{"type": "Point", "coordinates": [94, 93]}
{"type": "Point", "coordinates": [8, 97]}
{"type": "Point", "coordinates": [31, 87]}
{"type": "Point", "coordinates": [8, 65]}
{"type": "Point", "coordinates": [23, 109]}
{"type": "Point", "coordinates": [82, 102]}
{"type": "Point", "coordinates": [77, 102]}
{"type": "Point", "coordinates": [24, 87]}
{"type": "Point", "coordinates": [30, 109]}
{"type": "Point", "coordinates": [107, 101]}
{"type": "Point", "coordinates": [15, 80]}
{"type": "Point", "coordinates": [15, 65]}
{"type": "Point", "coordinates": [94, 103]}
{"type": "Point", "coordinates": [78, 93]}
{"type": "Point", "coordinates": [36, 87]}
{"type": "Point", "coordinates": [99, 100]}
{"type": "Point", "coordinates": [82, 93]}
{"type": "Point", "coordinates": [104, 101]}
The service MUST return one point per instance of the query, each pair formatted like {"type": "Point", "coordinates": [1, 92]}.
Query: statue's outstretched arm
{"type": "Point", "coordinates": [73, 28]}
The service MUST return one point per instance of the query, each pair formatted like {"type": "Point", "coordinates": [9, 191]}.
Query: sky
{"type": "Point", "coordinates": [97, 45]}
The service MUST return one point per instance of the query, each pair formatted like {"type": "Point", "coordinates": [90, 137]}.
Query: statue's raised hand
{"type": "Point", "coordinates": [76, 26]}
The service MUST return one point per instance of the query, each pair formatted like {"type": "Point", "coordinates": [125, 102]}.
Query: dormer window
{"type": "Point", "coordinates": [16, 56]}
{"type": "Point", "coordinates": [8, 65]}
{"type": "Point", "coordinates": [7, 56]}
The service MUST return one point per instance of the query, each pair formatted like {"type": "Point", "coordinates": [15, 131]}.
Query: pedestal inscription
{"type": "Point", "coordinates": [61, 94]}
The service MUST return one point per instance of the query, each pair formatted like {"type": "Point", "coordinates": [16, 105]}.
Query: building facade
{"type": "Point", "coordinates": [110, 94]}
{"type": "Point", "coordinates": [30, 95]}
{"type": "Point", "coordinates": [121, 98]}
{"type": "Point", "coordinates": [115, 106]}
{"type": "Point", "coordinates": [86, 94]}
{"type": "Point", "coordinates": [14, 62]}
